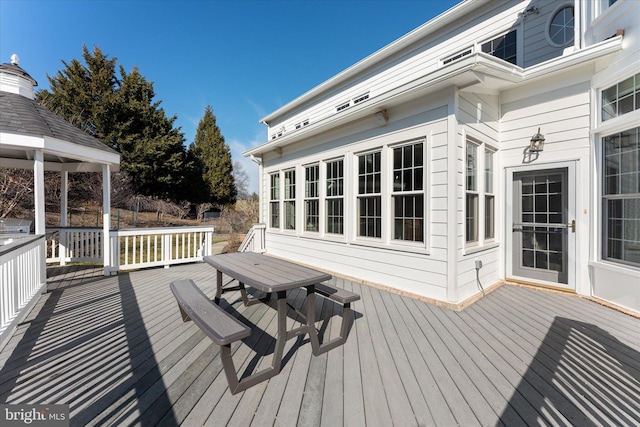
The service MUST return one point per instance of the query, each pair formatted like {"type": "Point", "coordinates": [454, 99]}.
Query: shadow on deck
{"type": "Point", "coordinates": [116, 350]}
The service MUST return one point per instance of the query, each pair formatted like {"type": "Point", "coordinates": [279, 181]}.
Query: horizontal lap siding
{"type": "Point", "coordinates": [536, 44]}
{"type": "Point", "coordinates": [479, 116]}
{"type": "Point", "coordinates": [416, 61]}
{"type": "Point", "coordinates": [422, 272]}
{"type": "Point", "coordinates": [562, 114]}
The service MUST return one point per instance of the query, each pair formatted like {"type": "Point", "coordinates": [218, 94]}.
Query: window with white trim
{"type": "Point", "coordinates": [335, 197]}
{"type": "Point", "coordinates": [290, 199]}
{"type": "Point", "coordinates": [479, 194]}
{"type": "Point", "coordinates": [503, 47]}
{"type": "Point", "coordinates": [369, 195]}
{"type": "Point", "coordinates": [471, 199]}
{"type": "Point", "coordinates": [561, 27]}
{"type": "Point", "coordinates": [621, 98]}
{"type": "Point", "coordinates": [274, 200]}
{"type": "Point", "coordinates": [311, 198]}
{"type": "Point", "coordinates": [489, 196]}
{"type": "Point", "coordinates": [621, 197]}
{"type": "Point", "coordinates": [408, 192]}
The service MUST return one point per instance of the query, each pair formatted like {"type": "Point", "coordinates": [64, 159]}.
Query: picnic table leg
{"type": "Point", "coordinates": [311, 320]}
{"type": "Point", "coordinates": [218, 287]}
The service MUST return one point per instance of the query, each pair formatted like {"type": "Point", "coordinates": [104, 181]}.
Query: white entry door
{"type": "Point", "coordinates": [542, 228]}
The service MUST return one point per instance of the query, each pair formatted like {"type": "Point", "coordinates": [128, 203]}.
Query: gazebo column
{"type": "Point", "coordinates": [38, 193]}
{"type": "Point", "coordinates": [106, 218]}
{"type": "Point", "coordinates": [64, 197]}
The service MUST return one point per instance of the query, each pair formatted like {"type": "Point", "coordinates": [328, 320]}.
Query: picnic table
{"type": "Point", "coordinates": [268, 275]}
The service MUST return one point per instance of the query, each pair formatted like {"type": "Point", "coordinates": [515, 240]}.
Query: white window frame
{"type": "Point", "coordinates": [603, 253]}
{"type": "Point", "coordinates": [333, 197]}
{"type": "Point", "coordinates": [274, 199]}
{"type": "Point", "coordinates": [288, 191]}
{"type": "Point", "coordinates": [398, 192]}
{"type": "Point", "coordinates": [517, 30]}
{"type": "Point", "coordinates": [365, 195]}
{"type": "Point", "coordinates": [552, 15]}
{"type": "Point", "coordinates": [311, 194]}
{"type": "Point", "coordinates": [481, 195]}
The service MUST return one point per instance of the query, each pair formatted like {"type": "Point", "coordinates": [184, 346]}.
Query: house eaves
{"type": "Point", "coordinates": [479, 72]}
{"type": "Point", "coordinates": [425, 30]}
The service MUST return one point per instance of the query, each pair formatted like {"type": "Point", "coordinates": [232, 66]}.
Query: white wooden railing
{"type": "Point", "coordinates": [22, 279]}
{"type": "Point", "coordinates": [254, 240]}
{"type": "Point", "coordinates": [153, 247]}
{"type": "Point", "coordinates": [80, 244]}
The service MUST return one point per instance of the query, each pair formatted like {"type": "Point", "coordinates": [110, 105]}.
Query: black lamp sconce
{"type": "Point", "coordinates": [537, 142]}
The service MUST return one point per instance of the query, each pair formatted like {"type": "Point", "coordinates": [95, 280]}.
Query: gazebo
{"type": "Point", "coordinates": [33, 137]}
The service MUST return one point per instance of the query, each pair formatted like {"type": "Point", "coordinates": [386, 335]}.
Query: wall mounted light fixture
{"type": "Point", "coordinates": [537, 142]}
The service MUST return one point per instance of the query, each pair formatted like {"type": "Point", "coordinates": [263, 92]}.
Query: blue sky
{"type": "Point", "coordinates": [244, 58]}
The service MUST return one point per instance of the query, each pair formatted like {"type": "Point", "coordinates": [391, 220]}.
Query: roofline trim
{"type": "Point", "coordinates": [422, 31]}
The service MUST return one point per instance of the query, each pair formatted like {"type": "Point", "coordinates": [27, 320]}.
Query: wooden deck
{"type": "Point", "coordinates": [116, 350]}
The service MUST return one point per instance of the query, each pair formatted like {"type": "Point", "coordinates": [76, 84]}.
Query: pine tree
{"type": "Point", "coordinates": [122, 113]}
{"type": "Point", "coordinates": [214, 156]}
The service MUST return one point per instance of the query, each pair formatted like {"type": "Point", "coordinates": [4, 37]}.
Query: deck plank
{"type": "Point", "coordinates": [115, 350]}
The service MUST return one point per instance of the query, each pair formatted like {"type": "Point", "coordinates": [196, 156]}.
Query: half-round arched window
{"type": "Point", "coordinates": [560, 29]}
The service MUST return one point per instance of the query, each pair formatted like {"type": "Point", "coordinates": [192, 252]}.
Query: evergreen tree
{"type": "Point", "coordinates": [214, 157]}
{"type": "Point", "coordinates": [123, 114]}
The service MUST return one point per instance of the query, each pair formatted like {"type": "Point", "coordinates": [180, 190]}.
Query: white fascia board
{"type": "Point", "coordinates": [52, 166]}
{"type": "Point", "coordinates": [66, 149]}
{"type": "Point", "coordinates": [580, 57]}
{"type": "Point", "coordinates": [430, 27]}
{"type": "Point", "coordinates": [16, 140]}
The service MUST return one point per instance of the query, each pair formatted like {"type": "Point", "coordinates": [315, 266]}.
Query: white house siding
{"type": "Point", "coordinates": [415, 61]}
{"type": "Point", "coordinates": [613, 282]}
{"type": "Point", "coordinates": [560, 107]}
{"type": "Point", "coordinates": [478, 117]}
{"type": "Point", "coordinates": [420, 271]}
{"type": "Point", "coordinates": [536, 44]}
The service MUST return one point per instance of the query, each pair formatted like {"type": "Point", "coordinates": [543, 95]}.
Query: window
{"type": "Point", "coordinates": [503, 47]}
{"type": "Point", "coordinates": [621, 197]}
{"type": "Point", "coordinates": [621, 98]}
{"type": "Point", "coordinates": [561, 27]}
{"type": "Point", "coordinates": [407, 196]}
{"type": "Point", "coordinates": [369, 196]}
{"type": "Point", "coordinates": [471, 204]}
{"type": "Point", "coordinates": [274, 200]}
{"type": "Point", "coordinates": [334, 197]}
{"type": "Point", "coordinates": [489, 197]}
{"type": "Point", "coordinates": [311, 198]}
{"type": "Point", "coordinates": [290, 199]}
{"type": "Point", "coordinates": [480, 200]}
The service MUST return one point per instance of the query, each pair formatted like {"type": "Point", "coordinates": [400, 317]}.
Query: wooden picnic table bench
{"type": "Point", "coordinates": [268, 275]}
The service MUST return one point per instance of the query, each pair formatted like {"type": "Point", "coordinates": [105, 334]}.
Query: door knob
{"type": "Point", "coordinates": [572, 225]}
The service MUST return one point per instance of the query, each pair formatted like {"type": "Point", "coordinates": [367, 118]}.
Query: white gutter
{"type": "Point", "coordinates": [379, 56]}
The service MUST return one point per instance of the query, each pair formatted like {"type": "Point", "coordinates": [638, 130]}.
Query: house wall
{"type": "Point", "coordinates": [614, 282]}
{"type": "Point", "coordinates": [478, 117]}
{"type": "Point", "coordinates": [418, 268]}
{"type": "Point", "coordinates": [560, 106]}
{"type": "Point", "coordinates": [425, 57]}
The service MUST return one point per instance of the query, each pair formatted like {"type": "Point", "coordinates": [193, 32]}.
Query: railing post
{"type": "Point", "coordinates": [62, 246]}
{"type": "Point", "coordinates": [166, 249]}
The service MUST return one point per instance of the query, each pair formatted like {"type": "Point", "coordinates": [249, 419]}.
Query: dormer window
{"type": "Point", "coordinates": [503, 47]}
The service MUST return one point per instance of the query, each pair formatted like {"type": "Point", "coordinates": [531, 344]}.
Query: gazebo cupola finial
{"type": "Point", "coordinates": [14, 79]}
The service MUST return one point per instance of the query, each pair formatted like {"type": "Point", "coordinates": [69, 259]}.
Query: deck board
{"type": "Point", "coordinates": [116, 350]}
